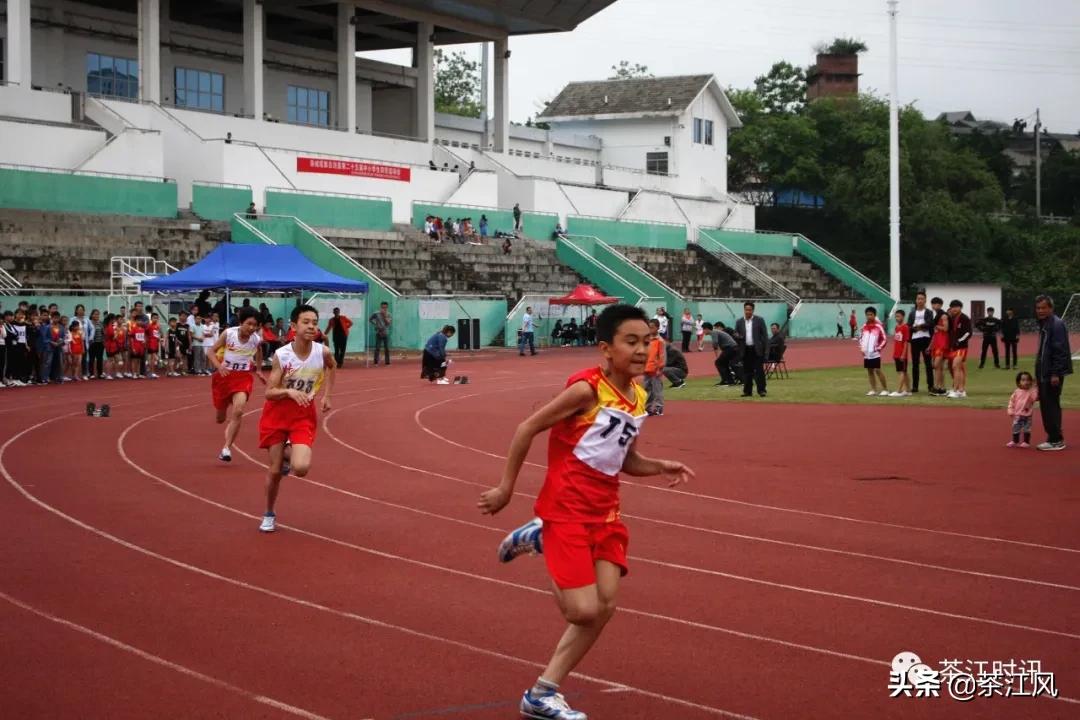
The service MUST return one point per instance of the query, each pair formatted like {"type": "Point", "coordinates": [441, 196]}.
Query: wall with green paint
{"type": "Point", "coordinates": [66, 192]}
{"type": "Point", "coordinates": [714, 311]}
{"type": "Point", "coordinates": [626, 232]}
{"type": "Point", "coordinates": [745, 242]}
{"type": "Point", "coordinates": [326, 210]}
{"type": "Point", "coordinates": [818, 319]}
{"type": "Point", "coordinates": [219, 202]}
{"type": "Point", "coordinates": [414, 331]}
{"type": "Point", "coordinates": [534, 224]}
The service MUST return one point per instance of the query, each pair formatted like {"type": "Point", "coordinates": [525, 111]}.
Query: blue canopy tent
{"type": "Point", "coordinates": [258, 268]}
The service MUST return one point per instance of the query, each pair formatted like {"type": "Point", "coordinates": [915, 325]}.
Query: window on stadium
{"type": "Point", "coordinates": [112, 76]}
{"type": "Point", "coordinates": [708, 132]}
{"type": "Point", "coordinates": [200, 89]}
{"type": "Point", "coordinates": [308, 106]}
{"type": "Point", "coordinates": [698, 130]}
{"type": "Point", "coordinates": [656, 163]}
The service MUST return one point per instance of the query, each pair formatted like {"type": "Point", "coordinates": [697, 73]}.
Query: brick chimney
{"type": "Point", "coordinates": [833, 76]}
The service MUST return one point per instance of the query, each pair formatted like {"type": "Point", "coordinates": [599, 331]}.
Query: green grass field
{"type": "Point", "coordinates": [988, 388]}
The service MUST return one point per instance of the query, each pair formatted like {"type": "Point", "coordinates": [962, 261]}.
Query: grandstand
{"type": "Point", "coordinates": [149, 134]}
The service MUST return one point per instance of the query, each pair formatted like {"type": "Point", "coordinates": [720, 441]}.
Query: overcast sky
{"type": "Point", "coordinates": [998, 58]}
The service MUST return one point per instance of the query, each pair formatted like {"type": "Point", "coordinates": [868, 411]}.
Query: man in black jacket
{"type": "Point", "coordinates": [750, 331]}
{"type": "Point", "coordinates": [1053, 361]}
{"type": "Point", "coordinates": [1010, 337]}
{"type": "Point", "coordinates": [675, 367]}
{"type": "Point", "coordinates": [989, 326]}
{"type": "Point", "coordinates": [959, 335]}
{"type": "Point", "coordinates": [921, 322]}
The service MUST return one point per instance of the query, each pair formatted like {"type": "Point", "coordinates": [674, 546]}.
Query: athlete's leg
{"type": "Point", "coordinates": [235, 414]}
{"type": "Point", "coordinates": [300, 460]}
{"type": "Point", "coordinates": [587, 610]}
{"type": "Point", "coordinates": [273, 477]}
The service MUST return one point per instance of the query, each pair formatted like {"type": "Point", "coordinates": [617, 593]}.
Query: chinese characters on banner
{"type": "Point", "coordinates": [354, 168]}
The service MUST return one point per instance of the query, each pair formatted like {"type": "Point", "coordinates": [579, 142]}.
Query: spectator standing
{"type": "Point", "coordinates": [198, 356]}
{"type": "Point", "coordinates": [939, 346]}
{"type": "Point", "coordinates": [1010, 337]}
{"type": "Point", "coordinates": [675, 367]}
{"type": "Point", "coordinates": [853, 323]}
{"type": "Point", "coordinates": [654, 370]}
{"type": "Point", "coordinates": [1053, 362]}
{"type": "Point", "coordinates": [1021, 408]}
{"type": "Point", "coordinates": [872, 341]}
{"type": "Point", "coordinates": [483, 226]}
{"type": "Point", "coordinates": [337, 328]}
{"type": "Point", "coordinates": [382, 321]}
{"type": "Point", "coordinates": [921, 327]}
{"type": "Point", "coordinates": [87, 337]}
{"type": "Point", "coordinates": [517, 217]}
{"type": "Point", "coordinates": [686, 327]}
{"type": "Point", "coordinates": [989, 326]}
{"type": "Point", "coordinates": [202, 303]}
{"type": "Point", "coordinates": [901, 343]}
{"type": "Point", "coordinates": [96, 365]}
{"type": "Point", "coordinates": [19, 365]}
{"type": "Point", "coordinates": [750, 331]}
{"type": "Point", "coordinates": [959, 335]}
{"type": "Point", "coordinates": [7, 348]}
{"type": "Point", "coordinates": [840, 323]}
{"type": "Point", "coordinates": [699, 330]}
{"type": "Point", "coordinates": [528, 333]}
{"type": "Point", "coordinates": [661, 317]}
{"type": "Point", "coordinates": [78, 350]}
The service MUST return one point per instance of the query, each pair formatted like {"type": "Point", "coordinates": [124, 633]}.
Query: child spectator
{"type": "Point", "coordinates": [76, 349]}
{"type": "Point", "coordinates": [184, 364]}
{"type": "Point", "coordinates": [686, 327]}
{"type": "Point", "coordinates": [211, 330]}
{"type": "Point", "coordinates": [153, 345]}
{"type": "Point", "coordinates": [137, 346]}
{"type": "Point", "coordinates": [7, 348]}
{"type": "Point", "coordinates": [872, 341]}
{"type": "Point", "coordinates": [66, 371]}
{"type": "Point", "coordinates": [434, 363]}
{"type": "Point", "coordinates": [654, 370]}
{"type": "Point", "coordinates": [96, 366]}
{"type": "Point", "coordinates": [121, 335]}
{"type": "Point", "coordinates": [699, 329]}
{"type": "Point", "coordinates": [20, 363]}
{"type": "Point", "coordinates": [172, 348]}
{"type": "Point", "coordinates": [1021, 407]}
{"type": "Point", "coordinates": [901, 343]}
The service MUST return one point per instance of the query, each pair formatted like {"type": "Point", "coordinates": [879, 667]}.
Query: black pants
{"type": "Point", "coordinates": [839, 330]}
{"type": "Point", "coordinates": [339, 352]}
{"type": "Point", "coordinates": [989, 342]}
{"type": "Point", "coordinates": [97, 359]}
{"type": "Point", "coordinates": [753, 371]}
{"type": "Point", "coordinates": [723, 366]}
{"type": "Point", "coordinates": [431, 367]}
{"type": "Point", "coordinates": [384, 342]}
{"type": "Point", "coordinates": [1011, 348]}
{"type": "Point", "coordinates": [18, 363]}
{"type": "Point", "coordinates": [920, 355]}
{"type": "Point", "coordinates": [1050, 407]}
{"type": "Point", "coordinates": [686, 340]}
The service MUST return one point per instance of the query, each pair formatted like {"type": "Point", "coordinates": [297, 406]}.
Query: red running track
{"type": "Point", "coordinates": [779, 585]}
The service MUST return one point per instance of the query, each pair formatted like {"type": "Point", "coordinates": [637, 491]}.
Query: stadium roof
{"type": "Point", "coordinates": [634, 97]}
{"type": "Point", "coordinates": [386, 24]}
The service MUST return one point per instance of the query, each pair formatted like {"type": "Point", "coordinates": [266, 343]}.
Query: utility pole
{"type": "Point", "coordinates": [894, 162]}
{"type": "Point", "coordinates": [485, 64]}
{"type": "Point", "coordinates": [1038, 167]}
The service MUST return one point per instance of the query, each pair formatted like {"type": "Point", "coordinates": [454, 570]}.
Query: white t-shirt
{"type": "Point", "coordinates": [922, 316]}
{"type": "Point", "coordinates": [210, 334]}
{"type": "Point", "coordinates": [749, 331]}
{"type": "Point", "coordinates": [527, 323]}
{"type": "Point", "coordinates": [239, 354]}
{"type": "Point", "coordinates": [304, 375]}
{"type": "Point", "coordinates": [663, 320]}
{"type": "Point", "coordinates": [699, 327]}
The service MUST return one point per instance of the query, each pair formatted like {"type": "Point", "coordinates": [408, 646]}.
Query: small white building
{"type": "Point", "coordinates": [675, 127]}
{"type": "Point", "coordinates": [976, 298]}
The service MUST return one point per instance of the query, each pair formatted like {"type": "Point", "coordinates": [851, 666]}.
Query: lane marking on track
{"type": "Point", "coordinates": [733, 501]}
{"type": "Point", "coordinates": [687, 568]}
{"type": "Point", "coordinates": [158, 660]}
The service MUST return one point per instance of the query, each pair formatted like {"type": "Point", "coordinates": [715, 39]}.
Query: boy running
{"type": "Point", "coordinates": [236, 357]}
{"type": "Point", "coordinates": [594, 425]}
{"type": "Point", "coordinates": [300, 369]}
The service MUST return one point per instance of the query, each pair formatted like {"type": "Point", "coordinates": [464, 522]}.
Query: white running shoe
{"type": "Point", "coordinates": [153, 376]}
{"type": "Point", "coordinates": [267, 525]}
{"type": "Point", "coordinates": [225, 455]}
{"type": "Point", "coordinates": [871, 393]}
{"type": "Point", "coordinates": [962, 393]}
{"type": "Point", "coordinates": [883, 393]}
{"type": "Point", "coordinates": [952, 394]}
{"type": "Point", "coordinates": [895, 393]}
{"type": "Point", "coordinates": [905, 394]}
{"type": "Point", "coordinates": [526, 539]}
{"type": "Point", "coordinates": [548, 707]}
{"type": "Point", "coordinates": [108, 377]}
{"type": "Point", "coordinates": [442, 381]}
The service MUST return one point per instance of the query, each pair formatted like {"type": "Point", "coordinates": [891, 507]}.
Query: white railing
{"type": "Point", "coordinates": [746, 269]}
{"type": "Point", "coordinates": [8, 284]}
{"type": "Point", "coordinates": [254, 230]}
{"type": "Point", "coordinates": [129, 271]}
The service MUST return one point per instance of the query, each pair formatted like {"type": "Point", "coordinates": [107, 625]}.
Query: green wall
{"type": "Point", "coordinates": [534, 224]}
{"type": "Point", "coordinates": [65, 192]}
{"type": "Point", "coordinates": [412, 331]}
{"type": "Point", "coordinates": [713, 311]}
{"type": "Point", "coordinates": [336, 211]}
{"type": "Point", "coordinates": [626, 232]}
{"type": "Point", "coordinates": [745, 242]}
{"type": "Point", "coordinates": [217, 202]}
{"type": "Point", "coordinates": [818, 319]}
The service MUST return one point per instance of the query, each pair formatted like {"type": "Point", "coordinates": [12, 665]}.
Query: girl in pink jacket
{"type": "Point", "coordinates": [1021, 406]}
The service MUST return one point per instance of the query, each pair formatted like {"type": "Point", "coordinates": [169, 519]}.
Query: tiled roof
{"type": "Point", "coordinates": [637, 95]}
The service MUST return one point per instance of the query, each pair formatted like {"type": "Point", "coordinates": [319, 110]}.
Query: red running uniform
{"type": "Point", "coordinates": [284, 419]}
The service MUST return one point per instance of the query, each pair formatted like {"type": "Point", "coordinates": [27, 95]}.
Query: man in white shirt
{"type": "Point", "coordinates": [921, 321]}
{"type": "Point", "coordinates": [198, 353]}
{"type": "Point", "coordinates": [528, 333]}
{"type": "Point", "coordinates": [661, 317]}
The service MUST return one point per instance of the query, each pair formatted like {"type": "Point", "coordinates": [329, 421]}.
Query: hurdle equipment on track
{"type": "Point", "coordinates": [93, 410]}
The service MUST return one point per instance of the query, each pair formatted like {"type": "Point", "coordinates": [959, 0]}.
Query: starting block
{"type": "Point", "coordinates": [93, 410]}
{"type": "Point", "coordinates": [461, 380]}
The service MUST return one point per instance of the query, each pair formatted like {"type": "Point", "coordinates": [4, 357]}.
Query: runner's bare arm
{"type": "Point", "coordinates": [574, 399]}
{"type": "Point", "coordinates": [328, 381]}
{"type": "Point", "coordinates": [673, 471]}
{"type": "Point", "coordinates": [212, 355]}
{"type": "Point", "coordinates": [258, 364]}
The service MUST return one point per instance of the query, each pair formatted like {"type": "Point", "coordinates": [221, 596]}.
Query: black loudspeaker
{"type": "Point", "coordinates": [468, 334]}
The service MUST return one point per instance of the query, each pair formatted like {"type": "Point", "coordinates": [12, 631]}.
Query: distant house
{"type": "Point", "coordinates": [675, 126]}
{"type": "Point", "coordinates": [1019, 142]}
{"type": "Point", "coordinates": [963, 122]}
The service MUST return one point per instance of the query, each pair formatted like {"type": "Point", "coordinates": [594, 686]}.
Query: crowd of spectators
{"type": "Point", "coordinates": [456, 230]}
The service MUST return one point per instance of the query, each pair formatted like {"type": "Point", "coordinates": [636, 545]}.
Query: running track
{"type": "Point", "coordinates": [778, 585]}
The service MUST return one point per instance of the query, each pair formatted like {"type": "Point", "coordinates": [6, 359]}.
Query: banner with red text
{"type": "Point", "coordinates": [354, 168]}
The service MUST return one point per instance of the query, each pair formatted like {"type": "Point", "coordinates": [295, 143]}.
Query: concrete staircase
{"type": "Point", "coordinates": [63, 250]}
{"type": "Point", "coordinates": [410, 263]}
{"type": "Point", "coordinates": [692, 273]}
{"type": "Point", "coordinates": [802, 277]}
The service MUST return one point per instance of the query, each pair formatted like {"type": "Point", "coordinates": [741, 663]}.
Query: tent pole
{"type": "Point", "coordinates": [228, 306]}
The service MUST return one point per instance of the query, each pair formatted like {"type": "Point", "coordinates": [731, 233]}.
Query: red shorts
{"type": "Point", "coordinates": [959, 354]}
{"type": "Point", "coordinates": [223, 388]}
{"type": "Point", "coordinates": [939, 350]}
{"type": "Point", "coordinates": [572, 549]}
{"type": "Point", "coordinates": [283, 420]}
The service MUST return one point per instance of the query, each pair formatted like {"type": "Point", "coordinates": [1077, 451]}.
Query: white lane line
{"type": "Point", "coordinates": [700, 496]}
{"type": "Point", "coordinates": [158, 660]}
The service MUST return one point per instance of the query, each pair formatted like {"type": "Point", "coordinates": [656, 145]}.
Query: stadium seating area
{"type": "Point", "coordinates": [803, 277]}
{"type": "Point", "coordinates": [693, 273]}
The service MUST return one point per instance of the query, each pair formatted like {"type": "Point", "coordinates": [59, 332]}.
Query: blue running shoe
{"type": "Point", "coordinates": [526, 539]}
{"type": "Point", "coordinates": [548, 707]}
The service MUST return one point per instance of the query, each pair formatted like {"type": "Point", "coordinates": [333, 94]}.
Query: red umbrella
{"type": "Point", "coordinates": [583, 295]}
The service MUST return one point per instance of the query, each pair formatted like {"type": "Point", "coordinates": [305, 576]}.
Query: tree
{"type": "Point", "coordinates": [842, 46]}
{"type": "Point", "coordinates": [457, 84]}
{"type": "Point", "coordinates": [625, 71]}
{"type": "Point", "coordinates": [782, 89]}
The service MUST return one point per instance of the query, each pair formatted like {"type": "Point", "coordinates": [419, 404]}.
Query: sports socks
{"type": "Point", "coordinates": [544, 687]}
